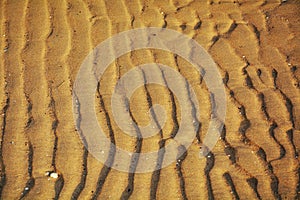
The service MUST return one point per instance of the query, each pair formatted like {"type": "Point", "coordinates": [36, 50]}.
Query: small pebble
{"type": "Point", "coordinates": [54, 175]}
{"type": "Point", "coordinates": [47, 173]}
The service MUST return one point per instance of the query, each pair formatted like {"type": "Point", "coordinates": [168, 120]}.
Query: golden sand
{"type": "Point", "coordinates": [256, 45]}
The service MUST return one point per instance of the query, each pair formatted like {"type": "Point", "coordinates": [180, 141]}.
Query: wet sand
{"type": "Point", "coordinates": [256, 46]}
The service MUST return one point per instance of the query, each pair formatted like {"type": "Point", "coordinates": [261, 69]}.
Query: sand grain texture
{"type": "Point", "coordinates": [256, 46]}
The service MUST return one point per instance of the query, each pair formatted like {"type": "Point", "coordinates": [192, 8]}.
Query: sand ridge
{"type": "Point", "coordinates": [256, 47]}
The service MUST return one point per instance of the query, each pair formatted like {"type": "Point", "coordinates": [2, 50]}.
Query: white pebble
{"type": "Point", "coordinates": [54, 175]}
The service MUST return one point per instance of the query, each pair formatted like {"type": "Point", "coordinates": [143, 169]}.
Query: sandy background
{"type": "Point", "coordinates": [256, 45]}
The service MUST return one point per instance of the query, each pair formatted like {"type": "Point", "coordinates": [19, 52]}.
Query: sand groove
{"type": "Point", "coordinates": [38, 127]}
{"type": "Point", "coordinates": [4, 98]}
{"type": "Point", "coordinates": [15, 144]}
{"type": "Point", "coordinates": [256, 47]}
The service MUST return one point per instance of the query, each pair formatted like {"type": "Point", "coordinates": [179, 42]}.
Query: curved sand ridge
{"type": "Point", "coordinates": [256, 47]}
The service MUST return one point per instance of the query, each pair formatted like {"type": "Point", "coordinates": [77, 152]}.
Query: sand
{"type": "Point", "coordinates": [256, 46]}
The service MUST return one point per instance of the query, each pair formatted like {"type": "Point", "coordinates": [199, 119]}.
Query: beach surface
{"type": "Point", "coordinates": [256, 47]}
